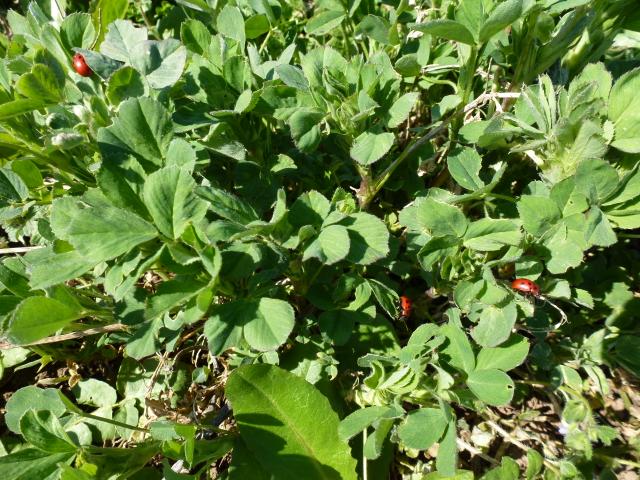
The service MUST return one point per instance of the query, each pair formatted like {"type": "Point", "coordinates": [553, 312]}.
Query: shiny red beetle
{"type": "Point", "coordinates": [406, 304]}
{"type": "Point", "coordinates": [80, 66]}
{"type": "Point", "coordinates": [526, 286]}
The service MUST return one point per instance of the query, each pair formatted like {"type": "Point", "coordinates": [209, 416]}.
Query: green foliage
{"type": "Point", "coordinates": [271, 239]}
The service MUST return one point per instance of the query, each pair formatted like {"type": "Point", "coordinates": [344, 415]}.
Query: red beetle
{"type": "Point", "coordinates": [406, 304]}
{"type": "Point", "coordinates": [526, 286]}
{"type": "Point", "coordinates": [80, 66]}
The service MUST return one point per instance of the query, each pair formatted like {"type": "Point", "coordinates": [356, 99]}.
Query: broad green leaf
{"type": "Point", "coordinates": [288, 425]}
{"type": "Point", "coordinates": [503, 15]}
{"type": "Point", "coordinates": [28, 398]}
{"type": "Point", "coordinates": [20, 107]}
{"type": "Point", "coordinates": [195, 36]}
{"type": "Point", "coordinates": [271, 325]}
{"type": "Point", "coordinates": [422, 428]}
{"type": "Point", "coordinates": [357, 421]}
{"type": "Point", "coordinates": [12, 187]}
{"type": "Point", "coordinates": [143, 128]}
{"type": "Point", "coordinates": [122, 39]}
{"type": "Point", "coordinates": [40, 84]}
{"type": "Point", "coordinates": [323, 22]}
{"type": "Point", "coordinates": [508, 470]}
{"type": "Point", "coordinates": [125, 83]}
{"type": "Point", "coordinates": [161, 63]}
{"type": "Point", "coordinates": [624, 111]}
{"type": "Point", "coordinates": [492, 386]}
{"type": "Point", "coordinates": [495, 324]}
{"type": "Point", "coordinates": [448, 29]}
{"type": "Point", "coordinates": [372, 448]}
{"type": "Point", "coordinates": [387, 298]}
{"type": "Point", "coordinates": [598, 229]}
{"type": "Point", "coordinates": [458, 350]}
{"type": "Point", "coordinates": [105, 12]}
{"type": "Point", "coordinates": [401, 109]}
{"type": "Point", "coordinates": [38, 317]}
{"type": "Point", "coordinates": [265, 323]}
{"type": "Point", "coordinates": [231, 24]}
{"type": "Point", "coordinates": [370, 147]}
{"type": "Point", "coordinates": [369, 238]}
{"type": "Point", "coordinates": [505, 357]}
{"type": "Point", "coordinates": [100, 64]}
{"type": "Point", "coordinates": [441, 218]}
{"type": "Point", "coordinates": [375, 27]}
{"type": "Point", "coordinates": [42, 429]}
{"type": "Point", "coordinates": [292, 76]}
{"type": "Point", "coordinates": [256, 26]}
{"type": "Point", "coordinates": [333, 243]}
{"type": "Point", "coordinates": [464, 166]}
{"type": "Point", "coordinates": [596, 179]}
{"type": "Point", "coordinates": [447, 459]}
{"type": "Point", "coordinates": [538, 214]}
{"type": "Point", "coordinates": [310, 208]}
{"type": "Point", "coordinates": [168, 195]}
{"type": "Point", "coordinates": [77, 30]}
{"type": "Point", "coordinates": [488, 234]}
{"type": "Point", "coordinates": [95, 393]}
{"type": "Point", "coordinates": [31, 463]}
{"type": "Point", "coordinates": [305, 128]}
{"type": "Point", "coordinates": [535, 463]}
{"type": "Point", "coordinates": [227, 205]}
{"type": "Point", "coordinates": [338, 325]}
{"type": "Point", "coordinates": [99, 233]}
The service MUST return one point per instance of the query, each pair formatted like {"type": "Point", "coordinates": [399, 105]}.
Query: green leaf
{"type": "Point", "coordinates": [464, 166]}
{"type": "Point", "coordinates": [441, 218]}
{"type": "Point", "coordinates": [370, 147]}
{"type": "Point", "coordinates": [401, 109]}
{"type": "Point", "coordinates": [387, 298]}
{"type": "Point", "coordinates": [503, 15]}
{"type": "Point", "coordinates": [505, 357]}
{"type": "Point", "coordinates": [105, 12]}
{"type": "Point", "coordinates": [38, 317]}
{"type": "Point", "coordinates": [95, 393]}
{"type": "Point", "coordinates": [333, 244]}
{"type": "Point", "coordinates": [292, 76]}
{"type": "Point", "coordinates": [598, 229]}
{"type": "Point", "coordinates": [305, 128]}
{"type": "Point", "coordinates": [12, 187]}
{"type": "Point", "coordinates": [230, 23]}
{"type": "Point", "coordinates": [77, 30]}
{"type": "Point", "coordinates": [266, 324]}
{"type": "Point", "coordinates": [538, 214]}
{"type": "Point", "coordinates": [195, 36]}
{"type": "Point", "coordinates": [508, 470]}
{"type": "Point", "coordinates": [99, 233]}
{"type": "Point", "coordinates": [143, 128]}
{"type": "Point", "coordinates": [488, 234]}
{"type": "Point", "coordinates": [535, 463]}
{"type": "Point", "coordinates": [289, 437]}
{"type": "Point", "coordinates": [357, 421]}
{"type": "Point", "coordinates": [20, 107]}
{"type": "Point", "coordinates": [168, 195]}
{"type": "Point", "coordinates": [422, 428]}
{"type": "Point", "coordinates": [256, 26]}
{"type": "Point", "coordinates": [30, 463]}
{"type": "Point", "coordinates": [458, 350]}
{"type": "Point", "coordinates": [375, 27]}
{"type": "Point", "coordinates": [161, 62]}
{"type": "Point", "coordinates": [495, 324]}
{"type": "Point", "coordinates": [28, 398]}
{"type": "Point", "coordinates": [41, 84]}
{"type": "Point", "coordinates": [42, 429]}
{"type": "Point", "coordinates": [624, 111]}
{"type": "Point", "coordinates": [492, 386]}
{"type": "Point", "coordinates": [124, 83]}
{"type": "Point", "coordinates": [447, 458]}
{"type": "Point", "coordinates": [369, 238]}
{"type": "Point", "coordinates": [448, 29]}
{"type": "Point", "coordinates": [227, 205]}
{"type": "Point", "coordinates": [596, 179]}
{"type": "Point", "coordinates": [122, 39]}
{"type": "Point", "coordinates": [323, 22]}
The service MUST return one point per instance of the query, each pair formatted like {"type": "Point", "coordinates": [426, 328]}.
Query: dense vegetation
{"type": "Point", "coordinates": [269, 239]}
